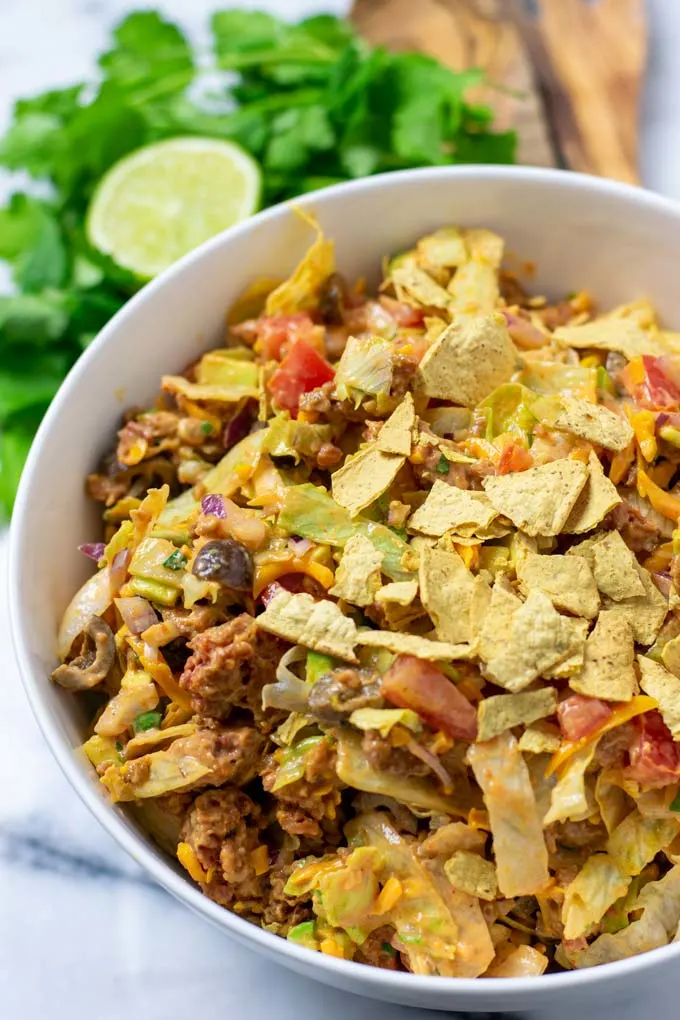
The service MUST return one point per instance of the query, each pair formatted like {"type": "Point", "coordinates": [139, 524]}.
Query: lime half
{"type": "Point", "coordinates": [162, 201]}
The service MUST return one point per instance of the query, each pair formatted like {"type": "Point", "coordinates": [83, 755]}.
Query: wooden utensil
{"type": "Point", "coordinates": [566, 74]}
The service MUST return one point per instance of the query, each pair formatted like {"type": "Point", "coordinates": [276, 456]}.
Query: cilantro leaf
{"type": "Point", "coordinates": [31, 239]}
{"type": "Point", "coordinates": [151, 58]}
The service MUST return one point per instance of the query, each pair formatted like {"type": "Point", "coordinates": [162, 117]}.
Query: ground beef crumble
{"type": "Point", "coordinates": [229, 667]}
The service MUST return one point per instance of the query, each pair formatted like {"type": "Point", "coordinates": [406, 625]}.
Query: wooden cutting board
{"type": "Point", "coordinates": [566, 74]}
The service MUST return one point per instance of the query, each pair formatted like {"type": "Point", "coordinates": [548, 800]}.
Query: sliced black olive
{"type": "Point", "coordinates": [227, 562]}
{"type": "Point", "coordinates": [332, 300]}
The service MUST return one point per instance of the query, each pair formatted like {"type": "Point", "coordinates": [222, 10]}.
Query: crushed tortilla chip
{"type": "Point", "coordinates": [300, 291]}
{"type": "Point", "coordinates": [503, 711]}
{"type": "Point", "coordinates": [597, 498]}
{"type": "Point", "coordinates": [358, 577]}
{"type": "Point", "coordinates": [540, 499]}
{"type": "Point", "coordinates": [420, 287]}
{"type": "Point", "coordinates": [364, 477]}
{"type": "Point", "coordinates": [474, 288]}
{"type": "Point", "coordinates": [664, 687]}
{"type": "Point", "coordinates": [479, 607]}
{"type": "Point", "coordinates": [469, 360]}
{"type": "Point", "coordinates": [472, 874]}
{"type": "Point", "coordinates": [609, 334]}
{"type": "Point", "coordinates": [573, 663]}
{"type": "Point", "coordinates": [320, 626]}
{"type": "Point", "coordinates": [445, 248]}
{"type": "Point", "coordinates": [446, 589]}
{"type": "Point", "coordinates": [411, 644]}
{"type": "Point", "coordinates": [645, 613]}
{"type": "Point", "coordinates": [540, 738]}
{"type": "Point", "coordinates": [608, 665]}
{"type": "Point", "coordinates": [614, 567]}
{"type": "Point", "coordinates": [566, 580]}
{"type": "Point", "coordinates": [396, 434]}
{"type": "Point", "coordinates": [539, 638]}
{"type": "Point", "coordinates": [493, 628]}
{"type": "Point", "coordinates": [593, 422]}
{"type": "Point", "coordinates": [400, 593]}
{"type": "Point", "coordinates": [447, 508]}
{"type": "Point", "coordinates": [671, 655]}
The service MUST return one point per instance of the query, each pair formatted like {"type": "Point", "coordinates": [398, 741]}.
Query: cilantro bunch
{"type": "Point", "coordinates": [312, 101]}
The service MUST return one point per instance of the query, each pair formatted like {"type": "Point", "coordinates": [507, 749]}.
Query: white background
{"type": "Point", "coordinates": [82, 931]}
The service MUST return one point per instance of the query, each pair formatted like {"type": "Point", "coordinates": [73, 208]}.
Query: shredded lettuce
{"type": "Point", "coordinates": [385, 719]}
{"type": "Point", "coordinates": [519, 847]}
{"type": "Point", "coordinates": [354, 770]}
{"type": "Point", "coordinates": [571, 797]}
{"type": "Point", "coordinates": [636, 841]}
{"type": "Point", "coordinates": [508, 409]}
{"type": "Point", "coordinates": [309, 511]}
{"type": "Point", "coordinates": [92, 599]}
{"type": "Point", "coordinates": [294, 761]}
{"type": "Point", "coordinates": [365, 369]}
{"type": "Point", "coordinates": [659, 905]}
{"type": "Point", "coordinates": [598, 885]}
{"type": "Point", "coordinates": [287, 438]}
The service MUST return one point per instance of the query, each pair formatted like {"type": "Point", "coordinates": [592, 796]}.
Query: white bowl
{"type": "Point", "coordinates": [618, 242]}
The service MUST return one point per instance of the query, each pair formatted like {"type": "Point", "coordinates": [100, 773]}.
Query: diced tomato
{"type": "Point", "coordinates": [302, 370]}
{"type": "Point", "coordinates": [272, 333]}
{"type": "Point", "coordinates": [404, 315]}
{"type": "Point", "coordinates": [270, 592]}
{"type": "Point", "coordinates": [651, 382]}
{"type": "Point", "coordinates": [416, 684]}
{"type": "Point", "coordinates": [514, 458]}
{"type": "Point", "coordinates": [654, 755]}
{"type": "Point", "coordinates": [578, 716]}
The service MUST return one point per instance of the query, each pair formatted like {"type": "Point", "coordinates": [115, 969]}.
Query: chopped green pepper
{"type": "Point", "coordinates": [176, 561]}
{"type": "Point", "coordinates": [147, 721]}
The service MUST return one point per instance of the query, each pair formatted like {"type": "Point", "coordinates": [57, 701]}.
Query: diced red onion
{"type": "Point", "coordinates": [214, 505]}
{"type": "Point", "coordinates": [432, 761]}
{"type": "Point", "coordinates": [238, 427]}
{"type": "Point", "coordinates": [95, 550]}
{"type": "Point", "coordinates": [301, 545]}
{"type": "Point", "coordinates": [118, 573]}
{"type": "Point", "coordinates": [523, 332]}
{"type": "Point", "coordinates": [662, 419]}
{"type": "Point", "coordinates": [137, 614]}
{"type": "Point", "coordinates": [664, 583]}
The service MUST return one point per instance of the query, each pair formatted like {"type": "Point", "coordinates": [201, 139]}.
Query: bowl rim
{"type": "Point", "coordinates": [508, 991]}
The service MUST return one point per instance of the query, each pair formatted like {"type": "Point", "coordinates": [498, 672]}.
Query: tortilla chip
{"type": "Point", "coordinates": [593, 422]}
{"type": "Point", "coordinates": [492, 630]}
{"type": "Point", "coordinates": [364, 477]}
{"type": "Point", "coordinates": [420, 287]}
{"type": "Point", "coordinates": [469, 360]}
{"type": "Point", "coordinates": [566, 580]}
{"type": "Point", "coordinates": [483, 245]}
{"type": "Point", "coordinates": [597, 498]}
{"type": "Point", "coordinates": [448, 507]}
{"type": "Point", "coordinates": [503, 711]}
{"type": "Point", "coordinates": [645, 613]}
{"type": "Point", "coordinates": [411, 644]}
{"type": "Point", "coordinates": [320, 626]}
{"type": "Point", "coordinates": [671, 655]}
{"type": "Point", "coordinates": [664, 687]}
{"type": "Point", "coordinates": [446, 589]}
{"type": "Point", "coordinates": [573, 663]}
{"type": "Point", "coordinates": [472, 874]}
{"type": "Point", "coordinates": [400, 593]}
{"type": "Point", "coordinates": [474, 289]}
{"type": "Point", "coordinates": [610, 334]}
{"type": "Point", "coordinates": [608, 666]}
{"type": "Point", "coordinates": [539, 638]}
{"type": "Point", "coordinates": [539, 500]}
{"type": "Point", "coordinates": [396, 434]}
{"type": "Point", "coordinates": [541, 738]}
{"type": "Point", "coordinates": [300, 291]}
{"type": "Point", "coordinates": [445, 247]}
{"type": "Point", "coordinates": [615, 568]}
{"type": "Point", "coordinates": [358, 576]}
{"type": "Point", "coordinates": [479, 607]}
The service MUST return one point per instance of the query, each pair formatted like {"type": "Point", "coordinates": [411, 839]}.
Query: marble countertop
{"type": "Point", "coordinates": [83, 931]}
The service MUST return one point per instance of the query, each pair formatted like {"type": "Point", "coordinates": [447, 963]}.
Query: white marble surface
{"type": "Point", "coordinates": [83, 933]}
